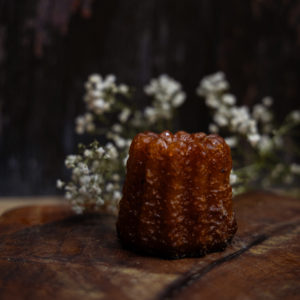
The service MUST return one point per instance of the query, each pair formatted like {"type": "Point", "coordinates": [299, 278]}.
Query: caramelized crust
{"type": "Point", "coordinates": [177, 200]}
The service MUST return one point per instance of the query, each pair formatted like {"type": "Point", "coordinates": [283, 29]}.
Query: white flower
{"type": "Point", "coordinates": [75, 173]}
{"type": "Point", "coordinates": [70, 187]}
{"type": "Point", "coordinates": [151, 114]}
{"type": "Point", "coordinates": [110, 78]}
{"type": "Point", "coordinates": [83, 190]}
{"type": "Point", "coordinates": [265, 144]}
{"type": "Point", "coordinates": [124, 115]}
{"type": "Point", "coordinates": [99, 201]}
{"type": "Point", "coordinates": [125, 160]}
{"type": "Point", "coordinates": [295, 116]}
{"type": "Point", "coordinates": [253, 139]}
{"type": "Point", "coordinates": [79, 130]}
{"type": "Point", "coordinates": [165, 106]}
{"type": "Point", "coordinates": [88, 117]}
{"type": "Point", "coordinates": [233, 178]}
{"type": "Point", "coordinates": [83, 167]}
{"type": "Point", "coordinates": [243, 127]}
{"type": "Point", "coordinates": [117, 128]}
{"type": "Point", "coordinates": [88, 153]}
{"type": "Point", "coordinates": [231, 141]}
{"type": "Point", "coordinates": [295, 168]}
{"type": "Point", "coordinates": [228, 99]}
{"type": "Point", "coordinates": [99, 106]}
{"type": "Point", "coordinates": [120, 142]}
{"type": "Point", "coordinates": [71, 160]}
{"type": "Point", "coordinates": [95, 94]}
{"type": "Point", "coordinates": [241, 121]}
{"type": "Point", "coordinates": [84, 123]}
{"type": "Point", "coordinates": [100, 151]}
{"type": "Point", "coordinates": [212, 101]}
{"type": "Point", "coordinates": [109, 187]}
{"type": "Point", "coordinates": [80, 125]}
{"type": "Point", "coordinates": [212, 84]}
{"type": "Point", "coordinates": [115, 177]}
{"type": "Point", "coordinates": [252, 125]}
{"type": "Point", "coordinates": [179, 99]}
{"type": "Point", "coordinates": [239, 118]}
{"type": "Point", "coordinates": [77, 209]}
{"type": "Point", "coordinates": [128, 142]}
{"type": "Point", "coordinates": [220, 119]}
{"type": "Point", "coordinates": [94, 78]}
{"type": "Point", "coordinates": [99, 103]}
{"type": "Point", "coordinates": [111, 151]}
{"type": "Point", "coordinates": [68, 195]}
{"type": "Point", "coordinates": [260, 112]}
{"type": "Point", "coordinates": [117, 195]}
{"type": "Point", "coordinates": [84, 180]}
{"type": "Point", "coordinates": [95, 164]}
{"type": "Point", "coordinates": [224, 110]}
{"type": "Point", "coordinates": [123, 89]}
{"type": "Point", "coordinates": [59, 184]}
{"type": "Point", "coordinates": [96, 189]}
{"type": "Point", "coordinates": [168, 84]}
{"type": "Point", "coordinates": [165, 89]}
{"type": "Point", "coordinates": [213, 128]}
{"type": "Point", "coordinates": [90, 127]}
{"type": "Point", "coordinates": [148, 89]}
{"type": "Point", "coordinates": [267, 101]}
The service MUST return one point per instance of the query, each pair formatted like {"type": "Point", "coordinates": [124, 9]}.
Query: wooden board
{"type": "Point", "coordinates": [48, 253]}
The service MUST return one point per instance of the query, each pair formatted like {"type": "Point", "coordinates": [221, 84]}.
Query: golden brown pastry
{"type": "Point", "coordinates": [177, 200]}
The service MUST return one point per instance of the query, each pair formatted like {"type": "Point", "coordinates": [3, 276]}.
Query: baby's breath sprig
{"type": "Point", "coordinates": [95, 179]}
{"type": "Point", "coordinates": [257, 144]}
{"type": "Point", "coordinates": [103, 98]}
{"type": "Point", "coordinates": [167, 95]}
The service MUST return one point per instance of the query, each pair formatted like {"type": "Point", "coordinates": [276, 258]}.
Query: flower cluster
{"type": "Point", "coordinates": [167, 95]}
{"type": "Point", "coordinates": [100, 98]}
{"type": "Point", "coordinates": [238, 120]}
{"type": "Point", "coordinates": [85, 123]}
{"type": "Point", "coordinates": [95, 183]}
{"type": "Point", "coordinates": [98, 172]}
{"type": "Point", "coordinates": [253, 130]}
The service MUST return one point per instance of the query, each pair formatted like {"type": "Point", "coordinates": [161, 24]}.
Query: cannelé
{"type": "Point", "coordinates": [177, 199]}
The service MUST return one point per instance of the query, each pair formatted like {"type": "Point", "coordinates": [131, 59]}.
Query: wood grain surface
{"type": "Point", "coordinates": [46, 252]}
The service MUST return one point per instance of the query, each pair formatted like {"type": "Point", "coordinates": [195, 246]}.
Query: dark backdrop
{"type": "Point", "coordinates": [49, 47]}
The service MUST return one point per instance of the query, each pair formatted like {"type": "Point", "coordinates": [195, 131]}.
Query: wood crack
{"type": "Point", "coordinates": [197, 273]}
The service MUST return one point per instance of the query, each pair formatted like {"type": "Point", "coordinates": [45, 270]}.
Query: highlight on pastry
{"type": "Point", "coordinates": [177, 199]}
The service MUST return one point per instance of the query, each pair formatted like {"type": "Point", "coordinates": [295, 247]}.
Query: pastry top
{"type": "Point", "coordinates": [183, 145]}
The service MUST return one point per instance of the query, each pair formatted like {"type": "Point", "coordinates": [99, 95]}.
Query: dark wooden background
{"type": "Point", "coordinates": [49, 47]}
